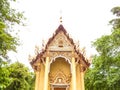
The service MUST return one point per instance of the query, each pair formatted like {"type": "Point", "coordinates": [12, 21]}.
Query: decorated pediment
{"type": "Point", "coordinates": [60, 43]}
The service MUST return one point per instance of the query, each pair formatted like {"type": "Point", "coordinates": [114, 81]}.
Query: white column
{"type": "Point", "coordinates": [46, 74]}
{"type": "Point", "coordinates": [36, 81]}
{"type": "Point", "coordinates": [37, 72]}
{"type": "Point", "coordinates": [73, 74]}
{"type": "Point", "coordinates": [82, 77]}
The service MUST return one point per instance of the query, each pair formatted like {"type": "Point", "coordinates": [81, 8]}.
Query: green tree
{"type": "Point", "coordinates": [21, 77]}
{"type": "Point", "coordinates": [7, 42]}
{"type": "Point", "coordinates": [105, 71]}
{"type": "Point", "coordinates": [4, 76]}
{"type": "Point", "coordinates": [8, 18]}
{"type": "Point", "coordinates": [9, 15]}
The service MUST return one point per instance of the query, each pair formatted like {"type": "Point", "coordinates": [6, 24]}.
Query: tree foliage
{"type": "Point", "coordinates": [20, 76]}
{"type": "Point", "coordinates": [4, 75]}
{"type": "Point", "coordinates": [12, 76]}
{"type": "Point", "coordinates": [115, 22]}
{"type": "Point", "coordinates": [8, 17]}
{"type": "Point", "coordinates": [16, 76]}
{"type": "Point", "coordinates": [105, 71]}
{"type": "Point", "coordinates": [7, 42]}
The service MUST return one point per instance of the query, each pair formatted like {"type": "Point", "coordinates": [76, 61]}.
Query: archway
{"type": "Point", "coordinates": [60, 74]}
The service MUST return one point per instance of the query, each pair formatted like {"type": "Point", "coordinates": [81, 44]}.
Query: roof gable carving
{"type": "Point", "coordinates": [60, 43]}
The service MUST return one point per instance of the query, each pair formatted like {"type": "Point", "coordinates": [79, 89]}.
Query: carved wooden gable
{"type": "Point", "coordinates": [60, 43]}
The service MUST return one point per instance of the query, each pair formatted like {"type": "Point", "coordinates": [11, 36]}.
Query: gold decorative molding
{"type": "Point", "coordinates": [60, 78]}
{"type": "Point", "coordinates": [82, 68]}
{"type": "Point", "coordinates": [67, 55]}
{"type": "Point", "coordinates": [37, 67]}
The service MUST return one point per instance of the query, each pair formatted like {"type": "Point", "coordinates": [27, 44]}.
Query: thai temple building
{"type": "Point", "coordinates": [60, 65]}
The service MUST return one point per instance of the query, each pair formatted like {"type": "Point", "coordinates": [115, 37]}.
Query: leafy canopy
{"type": "Point", "coordinates": [8, 18]}
{"type": "Point", "coordinates": [105, 71]}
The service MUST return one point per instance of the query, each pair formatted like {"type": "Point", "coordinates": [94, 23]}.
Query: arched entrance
{"type": "Point", "coordinates": [60, 74]}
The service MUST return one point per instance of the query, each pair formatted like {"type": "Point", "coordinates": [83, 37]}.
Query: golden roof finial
{"type": "Point", "coordinates": [60, 16]}
{"type": "Point", "coordinates": [60, 20]}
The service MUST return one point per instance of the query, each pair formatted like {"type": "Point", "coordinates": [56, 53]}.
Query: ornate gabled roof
{"type": "Point", "coordinates": [60, 29]}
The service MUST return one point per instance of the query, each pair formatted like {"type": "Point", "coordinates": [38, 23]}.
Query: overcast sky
{"type": "Point", "coordinates": [84, 20]}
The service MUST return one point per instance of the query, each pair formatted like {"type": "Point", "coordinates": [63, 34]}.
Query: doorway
{"type": "Point", "coordinates": [59, 88]}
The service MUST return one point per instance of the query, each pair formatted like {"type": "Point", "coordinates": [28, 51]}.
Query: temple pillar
{"type": "Point", "coordinates": [37, 77]}
{"type": "Point", "coordinates": [46, 74]}
{"type": "Point", "coordinates": [36, 81]}
{"type": "Point", "coordinates": [73, 74]}
{"type": "Point", "coordinates": [78, 77]}
{"type": "Point", "coordinates": [82, 77]}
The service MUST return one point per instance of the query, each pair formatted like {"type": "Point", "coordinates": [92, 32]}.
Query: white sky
{"type": "Point", "coordinates": [84, 20]}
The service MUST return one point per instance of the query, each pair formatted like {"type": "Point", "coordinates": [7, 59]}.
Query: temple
{"type": "Point", "coordinates": [60, 65]}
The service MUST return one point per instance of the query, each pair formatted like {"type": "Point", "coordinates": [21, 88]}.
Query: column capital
{"type": "Point", "coordinates": [47, 53]}
{"type": "Point", "coordinates": [73, 54]}
{"type": "Point", "coordinates": [82, 68]}
{"type": "Point", "coordinates": [37, 68]}
{"type": "Point", "coordinates": [47, 60]}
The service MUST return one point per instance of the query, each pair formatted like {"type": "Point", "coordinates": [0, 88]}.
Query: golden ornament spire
{"type": "Point", "coordinates": [60, 16]}
{"type": "Point", "coordinates": [61, 20]}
